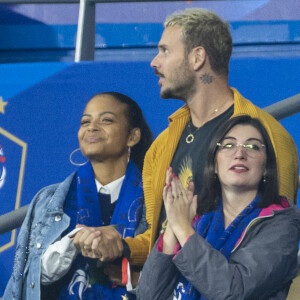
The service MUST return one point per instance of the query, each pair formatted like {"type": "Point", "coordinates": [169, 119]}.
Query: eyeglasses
{"type": "Point", "coordinates": [254, 150]}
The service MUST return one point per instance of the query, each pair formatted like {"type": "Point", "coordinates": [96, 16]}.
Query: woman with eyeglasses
{"type": "Point", "coordinates": [239, 239]}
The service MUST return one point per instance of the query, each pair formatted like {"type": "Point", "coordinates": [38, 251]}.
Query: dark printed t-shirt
{"type": "Point", "coordinates": [189, 159]}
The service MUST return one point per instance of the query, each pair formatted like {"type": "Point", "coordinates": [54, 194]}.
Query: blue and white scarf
{"type": "Point", "coordinates": [83, 207]}
{"type": "Point", "coordinates": [211, 227]}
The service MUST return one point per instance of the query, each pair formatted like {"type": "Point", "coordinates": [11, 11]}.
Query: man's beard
{"type": "Point", "coordinates": [181, 90]}
{"type": "Point", "coordinates": [182, 84]}
{"type": "Point", "coordinates": [171, 94]}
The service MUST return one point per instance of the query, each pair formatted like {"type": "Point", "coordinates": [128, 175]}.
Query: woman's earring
{"type": "Point", "coordinates": [264, 179]}
{"type": "Point", "coordinates": [74, 163]}
{"type": "Point", "coordinates": [129, 153]}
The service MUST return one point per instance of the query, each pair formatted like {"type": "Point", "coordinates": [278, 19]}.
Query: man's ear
{"type": "Point", "coordinates": [134, 137]}
{"type": "Point", "coordinates": [199, 57]}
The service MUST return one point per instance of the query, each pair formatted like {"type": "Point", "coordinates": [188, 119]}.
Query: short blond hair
{"type": "Point", "coordinates": [201, 27]}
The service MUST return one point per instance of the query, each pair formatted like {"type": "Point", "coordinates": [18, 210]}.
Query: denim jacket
{"type": "Point", "coordinates": [44, 224]}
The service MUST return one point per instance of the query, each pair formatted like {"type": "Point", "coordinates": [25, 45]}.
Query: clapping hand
{"type": "Point", "coordinates": [180, 207]}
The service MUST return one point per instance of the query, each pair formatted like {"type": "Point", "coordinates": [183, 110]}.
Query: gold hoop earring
{"type": "Point", "coordinates": [74, 163]}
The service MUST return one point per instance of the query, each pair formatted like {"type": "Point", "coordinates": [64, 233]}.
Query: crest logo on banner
{"type": "Point", "coordinates": [12, 163]}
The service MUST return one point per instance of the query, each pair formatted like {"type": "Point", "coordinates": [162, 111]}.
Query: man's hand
{"type": "Point", "coordinates": [104, 243]}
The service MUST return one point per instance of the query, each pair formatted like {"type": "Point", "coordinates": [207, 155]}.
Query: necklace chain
{"type": "Point", "coordinates": [191, 135]}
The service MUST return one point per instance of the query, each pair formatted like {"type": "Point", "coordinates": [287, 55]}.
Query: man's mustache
{"type": "Point", "coordinates": [158, 74]}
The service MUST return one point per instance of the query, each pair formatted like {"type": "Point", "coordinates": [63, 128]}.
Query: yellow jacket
{"type": "Point", "coordinates": [161, 152]}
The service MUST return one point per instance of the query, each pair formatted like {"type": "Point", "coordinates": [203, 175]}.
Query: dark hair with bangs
{"type": "Point", "coordinates": [211, 192]}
